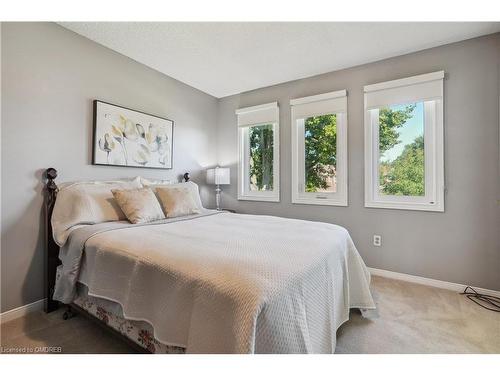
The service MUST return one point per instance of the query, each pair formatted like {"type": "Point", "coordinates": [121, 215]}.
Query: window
{"type": "Point", "coordinates": [404, 143]}
{"type": "Point", "coordinates": [319, 149]}
{"type": "Point", "coordinates": [258, 169]}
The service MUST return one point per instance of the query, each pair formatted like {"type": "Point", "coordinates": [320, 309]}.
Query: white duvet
{"type": "Point", "coordinates": [224, 283]}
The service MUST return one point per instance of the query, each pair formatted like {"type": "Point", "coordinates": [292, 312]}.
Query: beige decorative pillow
{"type": "Point", "coordinates": [177, 201]}
{"type": "Point", "coordinates": [190, 185]}
{"type": "Point", "coordinates": [139, 205]}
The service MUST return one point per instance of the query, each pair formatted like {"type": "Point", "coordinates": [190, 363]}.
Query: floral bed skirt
{"type": "Point", "coordinates": [110, 313]}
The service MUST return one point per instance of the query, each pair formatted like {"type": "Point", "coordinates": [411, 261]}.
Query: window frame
{"type": "Point", "coordinates": [426, 88]}
{"type": "Point", "coordinates": [265, 114]}
{"type": "Point", "coordinates": [323, 104]}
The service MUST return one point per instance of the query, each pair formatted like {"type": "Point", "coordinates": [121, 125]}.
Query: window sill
{"type": "Point", "coordinates": [320, 202]}
{"type": "Point", "coordinates": [258, 198]}
{"type": "Point", "coordinates": [406, 206]}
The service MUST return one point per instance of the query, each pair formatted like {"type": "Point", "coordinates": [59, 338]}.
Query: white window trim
{"type": "Point", "coordinates": [339, 107]}
{"type": "Point", "coordinates": [254, 116]}
{"type": "Point", "coordinates": [434, 144]}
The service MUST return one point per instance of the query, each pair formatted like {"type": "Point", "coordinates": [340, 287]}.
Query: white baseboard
{"type": "Point", "coordinates": [21, 311]}
{"type": "Point", "coordinates": [429, 282]}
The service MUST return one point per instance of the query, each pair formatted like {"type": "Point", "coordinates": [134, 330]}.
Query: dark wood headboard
{"type": "Point", "coordinates": [51, 248]}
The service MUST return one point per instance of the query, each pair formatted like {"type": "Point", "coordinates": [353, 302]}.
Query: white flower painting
{"type": "Point", "coordinates": [124, 137]}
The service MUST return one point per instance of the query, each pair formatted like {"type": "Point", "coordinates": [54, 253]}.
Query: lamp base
{"type": "Point", "coordinates": [218, 192]}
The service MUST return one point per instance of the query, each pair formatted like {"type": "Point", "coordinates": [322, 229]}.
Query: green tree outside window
{"type": "Point", "coordinates": [261, 157]}
{"type": "Point", "coordinates": [320, 146]}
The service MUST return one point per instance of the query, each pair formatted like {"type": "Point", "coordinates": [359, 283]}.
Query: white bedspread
{"type": "Point", "coordinates": [224, 283]}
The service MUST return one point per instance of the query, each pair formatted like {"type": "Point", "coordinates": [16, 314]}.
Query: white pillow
{"type": "Point", "coordinates": [149, 182]}
{"type": "Point", "coordinates": [89, 202]}
{"type": "Point", "coordinates": [193, 188]}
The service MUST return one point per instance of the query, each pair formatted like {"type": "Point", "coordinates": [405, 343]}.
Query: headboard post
{"type": "Point", "coordinates": [51, 248]}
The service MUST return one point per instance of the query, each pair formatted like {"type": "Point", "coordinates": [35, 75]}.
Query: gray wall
{"type": "Point", "coordinates": [461, 245]}
{"type": "Point", "coordinates": [49, 78]}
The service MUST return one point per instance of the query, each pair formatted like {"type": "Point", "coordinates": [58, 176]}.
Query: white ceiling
{"type": "Point", "coordinates": [222, 59]}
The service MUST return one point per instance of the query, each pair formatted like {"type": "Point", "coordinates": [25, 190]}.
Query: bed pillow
{"type": "Point", "coordinates": [191, 186]}
{"type": "Point", "coordinates": [149, 182]}
{"type": "Point", "coordinates": [87, 202]}
{"type": "Point", "coordinates": [139, 205]}
{"type": "Point", "coordinates": [177, 201]}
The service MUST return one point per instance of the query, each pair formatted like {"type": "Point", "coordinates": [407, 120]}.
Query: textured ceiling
{"type": "Point", "coordinates": [222, 59]}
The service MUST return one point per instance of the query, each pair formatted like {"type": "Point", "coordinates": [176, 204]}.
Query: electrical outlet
{"type": "Point", "coordinates": [377, 240]}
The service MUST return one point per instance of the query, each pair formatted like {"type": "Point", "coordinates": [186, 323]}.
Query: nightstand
{"type": "Point", "coordinates": [228, 210]}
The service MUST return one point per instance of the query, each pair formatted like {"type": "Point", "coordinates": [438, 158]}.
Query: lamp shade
{"type": "Point", "coordinates": [218, 176]}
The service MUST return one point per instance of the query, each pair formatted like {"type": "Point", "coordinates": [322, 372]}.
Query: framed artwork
{"type": "Point", "coordinates": [127, 138]}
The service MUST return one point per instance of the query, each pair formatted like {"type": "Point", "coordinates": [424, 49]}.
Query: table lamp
{"type": "Point", "coordinates": [218, 176]}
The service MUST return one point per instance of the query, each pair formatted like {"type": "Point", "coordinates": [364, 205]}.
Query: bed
{"type": "Point", "coordinates": [211, 282]}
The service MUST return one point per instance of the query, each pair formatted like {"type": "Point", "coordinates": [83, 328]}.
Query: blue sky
{"type": "Point", "coordinates": [412, 128]}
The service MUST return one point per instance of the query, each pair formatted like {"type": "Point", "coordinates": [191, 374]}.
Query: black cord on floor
{"type": "Point", "coordinates": [484, 300]}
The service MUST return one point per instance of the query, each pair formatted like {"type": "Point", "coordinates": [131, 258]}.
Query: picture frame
{"type": "Point", "coordinates": [124, 137]}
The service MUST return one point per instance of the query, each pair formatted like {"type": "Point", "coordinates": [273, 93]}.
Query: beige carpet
{"type": "Point", "coordinates": [411, 319]}
{"type": "Point", "coordinates": [420, 319]}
